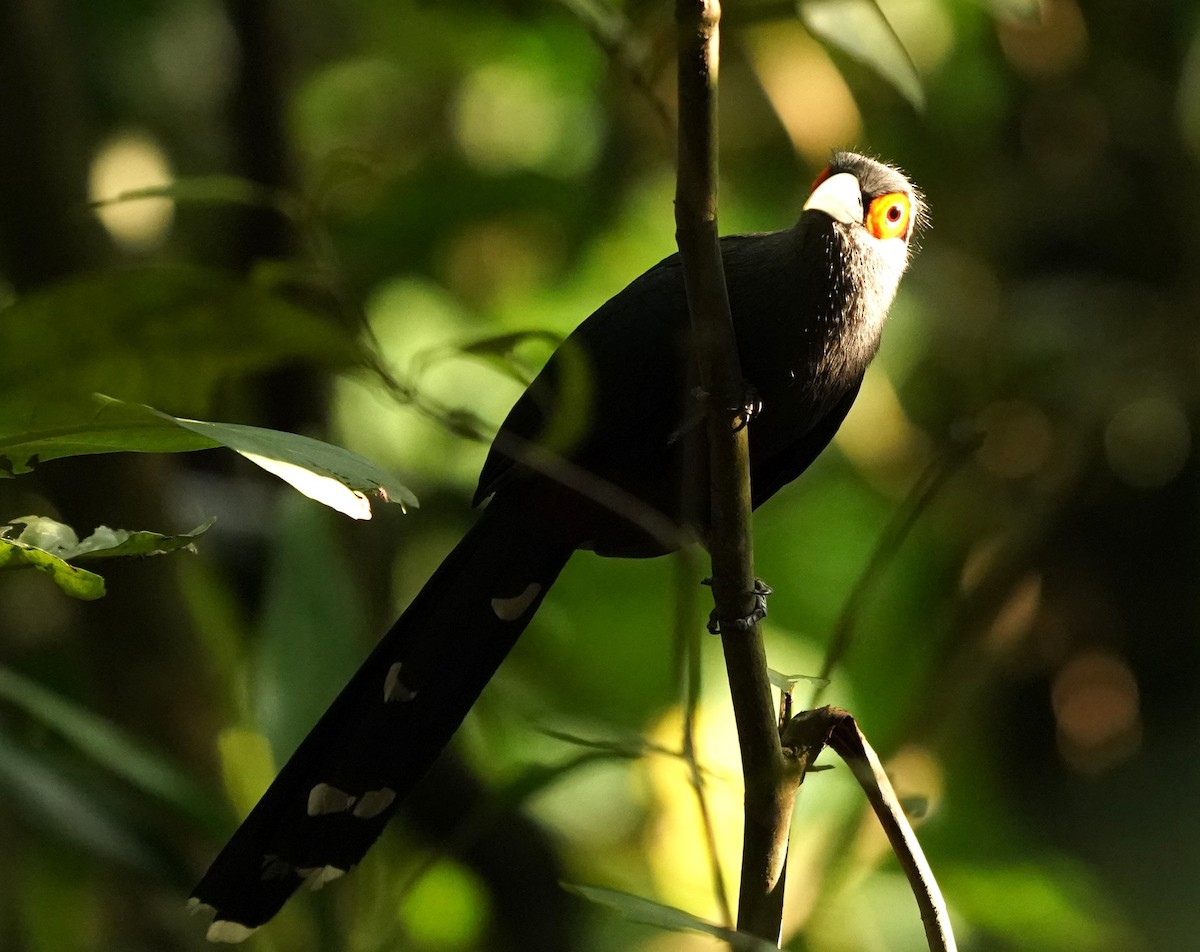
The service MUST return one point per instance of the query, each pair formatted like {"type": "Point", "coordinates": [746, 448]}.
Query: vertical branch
{"type": "Point", "coordinates": [770, 786]}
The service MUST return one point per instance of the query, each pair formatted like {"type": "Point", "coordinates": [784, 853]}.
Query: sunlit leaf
{"type": "Point", "coordinates": [785, 682]}
{"type": "Point", "coordinates": [111, 748]}
{"type": "Point", "coordinates": [859, 29]}
{"type": "Point", "coordinates": [74, 581]}
{"type": "Point", "coordinates": [61, 540]}
{"type": "Point", "coordinates": [309, 465]}
{"type": "Point", "coordinates": [46, 545]}
{"type": "Point", "coordinates": [106, 543]}
{"type": "Point", "coordinates": [105, 425]}
{"type": "Point", "coordinates": [661, 916]}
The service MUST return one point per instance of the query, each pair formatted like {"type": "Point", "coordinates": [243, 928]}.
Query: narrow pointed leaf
{"type": "Point", "coordinates": [661, 916]}
{"type": "Point", "coordinates": [112, 749]}
{"type": "Point", "coordinates": [859, 29]}
{"type": "Point", "coordinates": [331, 475]}
{"type": "Point", "coordinates": [69, 809]}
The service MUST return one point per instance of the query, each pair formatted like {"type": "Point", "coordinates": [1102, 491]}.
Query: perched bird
{"type": "Point", "coordinates": [592, 456]}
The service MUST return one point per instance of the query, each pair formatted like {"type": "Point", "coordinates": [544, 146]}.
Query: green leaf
{"type": "Point", "coordinates": [661, 916]}
{"type": "Point", "coordinates": [78, 427]}
{"type": "Point", "coordinates": [76, 582]}
{"type": "Point", "coordinates": [106, 543]}
{"type": "Point", "coordinates": [331, 475]}
{"type": "Point", "coordinates": [61, 540]}
{"type": "Point", "coordinates": [156, 335]}
{"type": "Point", "coordinates": [859, 29]}
{"type": "Point", "coordinates": [112, 749]}
{"type": "Point", "coordinates": [41, 543]}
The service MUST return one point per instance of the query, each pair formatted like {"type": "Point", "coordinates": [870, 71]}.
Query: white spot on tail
{"type": "Point", "coordinates": [510, 609]}
{"type": "Point", "coordinates": [394, 689]}
{"type": "Point", "coordinates": [318, 876]}
{"type": "Point", "coordinates": [194, 905]}
{"type": "Point", "coordinates": [226, 930]}
{"type": "Point", "coordinates": [374, 802]}
{"type": "Point", "coordinates": [326, 799]}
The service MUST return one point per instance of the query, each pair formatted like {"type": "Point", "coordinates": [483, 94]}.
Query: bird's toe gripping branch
{"type": "Point", "coordinates": [750, 407]}
{"type": "Point", "coordinates": [743, 622]}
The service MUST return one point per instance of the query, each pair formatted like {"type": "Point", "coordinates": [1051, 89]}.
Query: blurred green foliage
{"type": "Point", "coordinates": [368, 221]}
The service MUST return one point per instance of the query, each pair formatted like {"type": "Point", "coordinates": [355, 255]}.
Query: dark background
{"type": "Point", "coordinates": [437, 173]}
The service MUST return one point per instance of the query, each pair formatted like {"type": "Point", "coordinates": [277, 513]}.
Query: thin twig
{"type": "Point", "coordinates": [837, 728]}
{"type": "Point", "coordinates": [613, 33]}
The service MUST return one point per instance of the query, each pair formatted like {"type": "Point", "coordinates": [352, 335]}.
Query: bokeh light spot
{"type": "Point", "coordinates": [511, 119]}
{"type": "Point", "coordinates": [806, 90]}
{"type": "Point", "coordinates": [1148, 440]}
{"type": "Point", "coordinates": [1049, 46]}
{"type": "Point", "coordinates": [1018, 439]}
{"type": "Point", "coordinates": [1096, 705]}
{"type": "Point", "coordinates": [877, 433]}
{"type": "Point", "coordinates": [125, 163]}
{"type": "Point", "coordinates": [447, 908]}
{"type": "Point", "coordinates": [1018, 613]}
{"type": "Point", "coordinates": [503, 257]}
{"type": "Point", "coordinates": [916, 774]}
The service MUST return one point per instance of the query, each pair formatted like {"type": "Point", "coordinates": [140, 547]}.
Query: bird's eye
{"type": "Point", "coordinates": [888, 215]}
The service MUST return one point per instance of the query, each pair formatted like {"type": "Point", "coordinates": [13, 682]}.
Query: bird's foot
{"type": "Point", "coordinates": [751, 406]}
{"type": "Point", "coordinates": [744, 623]}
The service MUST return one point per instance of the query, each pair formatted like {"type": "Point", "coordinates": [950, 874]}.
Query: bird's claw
{"type": "Point", "coordinates": [744, 623]}
{"type": "Point", "coordinates": [751, 407]}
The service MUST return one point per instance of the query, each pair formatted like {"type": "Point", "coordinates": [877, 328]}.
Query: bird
{"type": "Point", "coordinates": [594, 455]}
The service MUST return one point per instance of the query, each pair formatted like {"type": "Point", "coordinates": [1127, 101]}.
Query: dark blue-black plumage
{"type": "Point", "coordinates": [608, 433]}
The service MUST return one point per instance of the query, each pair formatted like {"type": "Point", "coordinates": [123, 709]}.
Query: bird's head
{"type": "Point", "coordinates": [873, 207]}
{"type": "Point", "coordinates": [857, 229]}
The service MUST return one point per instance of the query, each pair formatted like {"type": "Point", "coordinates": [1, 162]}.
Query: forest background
{"type": "Point", "coordinates": [373, 220]}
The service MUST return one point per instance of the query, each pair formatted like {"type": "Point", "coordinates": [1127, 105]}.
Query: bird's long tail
{"type": "Point", "coordinates": [335, 795]}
